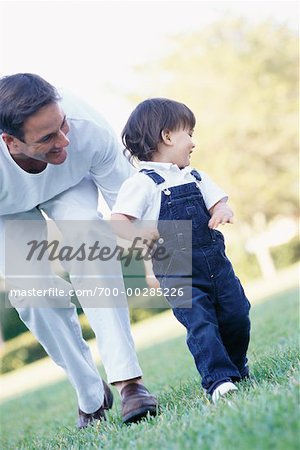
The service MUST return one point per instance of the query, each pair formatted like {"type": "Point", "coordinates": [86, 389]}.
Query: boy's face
{"type": "Point", "coordinates": [181, 146]}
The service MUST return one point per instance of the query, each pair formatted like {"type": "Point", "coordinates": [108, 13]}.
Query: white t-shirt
{"type": "Point", "coordinates": [140, 197]}
{"type": "Point", "coordinates": [93, 149]}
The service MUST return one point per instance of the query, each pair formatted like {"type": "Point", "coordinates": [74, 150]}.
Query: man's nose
{"type": "Point", "coordinates": [61, 140]}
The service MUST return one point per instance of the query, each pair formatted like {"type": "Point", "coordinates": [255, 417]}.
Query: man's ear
{"type": "Point", "coordinates": [10, 141]}
{"type": "Point", "coordinates": [166, 136]}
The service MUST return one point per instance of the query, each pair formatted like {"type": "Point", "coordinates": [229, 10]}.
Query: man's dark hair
{"type": "Point", "coordinates": [22, 95]}
{"type": "Point", "coordinates": [142, 132]}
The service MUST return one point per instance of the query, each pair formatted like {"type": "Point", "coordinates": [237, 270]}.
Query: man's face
{"type": "Point", "coordinates": [45, 135]}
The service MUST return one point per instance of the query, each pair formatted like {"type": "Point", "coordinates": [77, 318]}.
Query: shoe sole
{"type": "Point", "coordinates": [139, 414]}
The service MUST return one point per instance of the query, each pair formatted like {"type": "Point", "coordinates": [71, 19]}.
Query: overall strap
{"type": "Point", "coordinates": [153, 175]}
{"type": "Point", "coordinates": [196, 174]}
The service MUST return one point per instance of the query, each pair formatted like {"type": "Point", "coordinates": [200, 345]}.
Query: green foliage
{"type": "Point", "coordinates": [25, 349]}
{"type": "Point", "coordinates": [246, 264]}
{"type": "Point", "coordinates": [262, 415]}
{"type": "Point", "coordinates": [22, 348]}
{"type": "Point", "coordinates": [11, 325]}
{"type": "Point", "coordinates": [241, 81]}
{"type": "Point", "coordinates": [19, 351]}
{"type": "Point", "coordinates": [287, 254]}
{"type": "Point", "coordinates": [138, 314]}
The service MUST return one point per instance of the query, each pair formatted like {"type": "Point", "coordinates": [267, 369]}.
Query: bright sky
{"type": "Point", "coordinates": [90, 47]}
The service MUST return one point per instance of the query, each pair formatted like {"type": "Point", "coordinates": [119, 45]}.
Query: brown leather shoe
{"type": "Point", "coordinates": [137, 402]}
{"type": "Point", "coordinates": [85, 419]}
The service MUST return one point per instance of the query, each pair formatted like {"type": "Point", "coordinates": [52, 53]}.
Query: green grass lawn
{"type": "Point", "coordinates": [262, 415]}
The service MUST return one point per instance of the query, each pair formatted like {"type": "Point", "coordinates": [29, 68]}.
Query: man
{"type": "Point", "coordinates": [53, 161]}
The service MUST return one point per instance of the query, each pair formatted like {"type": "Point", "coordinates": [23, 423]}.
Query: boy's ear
{"type": "Point", "coordinates": [166, 136]}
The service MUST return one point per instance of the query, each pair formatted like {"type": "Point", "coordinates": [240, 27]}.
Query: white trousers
{"type": "Point", "coordinates": [58, 329]}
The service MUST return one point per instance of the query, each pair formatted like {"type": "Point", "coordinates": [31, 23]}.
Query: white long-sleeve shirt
{"type": "Point", "coordinates": [93, 150]}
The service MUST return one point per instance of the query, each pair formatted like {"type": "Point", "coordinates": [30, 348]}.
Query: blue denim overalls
{"type": "Point", "coordinates": [218, 325]}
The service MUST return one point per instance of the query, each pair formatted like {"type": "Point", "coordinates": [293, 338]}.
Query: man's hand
{"type": "Point", "coordinates": [126, 228]}
{"type": "Point", "coordinates": [149, 234]}
{"type": "Point", "coordinates": [220, 214]}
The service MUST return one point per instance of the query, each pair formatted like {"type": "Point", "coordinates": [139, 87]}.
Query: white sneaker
{"type": "Point", "coordinates": [222, 390]}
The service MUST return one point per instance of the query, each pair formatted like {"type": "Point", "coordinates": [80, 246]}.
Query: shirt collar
{"type": "Point", "coordinates": [163, 166]}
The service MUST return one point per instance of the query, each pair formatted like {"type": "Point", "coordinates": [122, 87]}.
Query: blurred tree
{"type": "Point", "coordinates": [241, 81]}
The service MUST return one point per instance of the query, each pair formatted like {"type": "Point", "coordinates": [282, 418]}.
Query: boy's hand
{"type": "Point", "coordinates": [221, 214]}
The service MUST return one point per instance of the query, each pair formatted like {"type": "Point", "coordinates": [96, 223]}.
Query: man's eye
{"type": "Point", "coordinates": [47, 138]}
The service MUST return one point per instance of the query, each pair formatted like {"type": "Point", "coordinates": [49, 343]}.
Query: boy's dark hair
{"type": "Point", "coordinates": [142, 132]}
{"type": "Point", "coordinates": [22, 95]}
